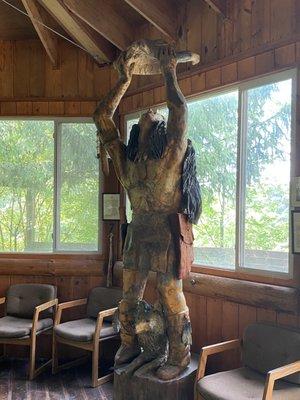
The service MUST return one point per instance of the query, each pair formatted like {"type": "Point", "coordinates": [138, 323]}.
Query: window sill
{"type": "Point", "coordinates": [245, 276]}
{"type": "Point", "coordinates": [90, 255]}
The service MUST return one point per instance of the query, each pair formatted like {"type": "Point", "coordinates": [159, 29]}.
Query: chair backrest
{"type": "Point", "coordinates": [23, 298]}
{"type": "Point", "coordinates": [267, 346]}
{"type": "Point", "coordinates": [101, 298]}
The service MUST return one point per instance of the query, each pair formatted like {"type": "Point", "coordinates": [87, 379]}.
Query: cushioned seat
{"type": "Point", "coordinates": [82, 330]}
{"type": "Point", "coordinates": [243, 384]}
{"type": "Point", "coordinates": [13, 327]}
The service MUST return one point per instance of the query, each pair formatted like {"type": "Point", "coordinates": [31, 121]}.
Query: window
{"type": "Point", "coordinates": [49, 186]}
{"type": "Point", "coordinates": [242, 139]}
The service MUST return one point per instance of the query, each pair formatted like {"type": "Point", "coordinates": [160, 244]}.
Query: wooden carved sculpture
{"type": "Point", "coordinates": [157, 169]}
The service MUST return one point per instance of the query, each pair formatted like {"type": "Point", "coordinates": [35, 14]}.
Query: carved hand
{"type": "Point", "coordinates": [167, 58]}
{"type": "Point", "coordinates": [124, 66]}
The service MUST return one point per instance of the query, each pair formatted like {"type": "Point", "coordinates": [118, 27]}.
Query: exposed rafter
{"type": "Point", "coordinates": [104, 19]}
{"type": "Point", "coordinates": [47, 38]}
{"type": "Point", "coordinates": [98, 47]}
{"type": "Point", "coordinates": [219, 6]}
{"type": "Point", "coordinates": [161, 13]}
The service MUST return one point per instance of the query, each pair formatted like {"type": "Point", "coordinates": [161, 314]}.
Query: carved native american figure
{"type": "Point", "coordinates": [157, 170]}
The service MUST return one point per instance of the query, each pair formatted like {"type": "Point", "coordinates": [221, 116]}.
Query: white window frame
{"type": "Point", "coordinates": [242, 89]}
{"type": "Point", "coordinates": [57, 121]}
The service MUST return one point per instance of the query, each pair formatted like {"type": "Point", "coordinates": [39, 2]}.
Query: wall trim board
{"type": "Point", "coordinates": [260, 295]}
{"type": "Point", "coordinates": [52, 267]}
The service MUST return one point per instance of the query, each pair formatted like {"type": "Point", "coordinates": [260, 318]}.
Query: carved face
{"type": "Point", "coordinates": [148, 319]}
{"type": "Point", "coordinates": [146, 123]}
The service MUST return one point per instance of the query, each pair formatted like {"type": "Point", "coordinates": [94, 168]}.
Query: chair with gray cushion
{"type": "Point", "coordinates": [270, 371]}
{"type": "Point", "coordinates": [29, 310]}
{"type": "Point", "coordinates": [88, 332]}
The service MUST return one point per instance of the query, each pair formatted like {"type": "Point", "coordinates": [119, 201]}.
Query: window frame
{"type": "Point", "coordinates": [242, 88]}
{"type": "Point", "coordinates": [57, 123]}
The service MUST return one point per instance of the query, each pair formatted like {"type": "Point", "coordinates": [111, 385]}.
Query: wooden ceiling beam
{"type": "Point", "coordinates": [104, 19]}
{"type": "Point", "coordinates": [98, 47]}
{"type": "Point", "coordinates": [47, 38]}
{"type": "Point", "coordinates": [220, 6]}
{"type": "Point", "coordinates": [160, 13]}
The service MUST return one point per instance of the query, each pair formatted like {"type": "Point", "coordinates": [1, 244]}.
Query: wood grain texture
{"type": "Point", "coordinates": [97, 47]}
{"type": "Point", "coordinates": [71, 384]}
{"type": "Point", "coordinates": [105, 20]}
{"type": "Point", "coordinates": [160, 13]}
{"type": "Point", "coordinates": [47, 37]}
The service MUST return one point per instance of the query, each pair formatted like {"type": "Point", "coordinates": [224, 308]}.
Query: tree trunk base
{"type": "Point", "coordinates": [149, 387]}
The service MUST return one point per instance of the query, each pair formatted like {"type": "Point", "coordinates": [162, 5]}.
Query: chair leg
{"type": "Point", "coordinates": [33, 371]}
{"type": "Point", "coordinates": [3, 356]}
{"type": "Point", "coordinates": [95, 367]}
{"type": "Point", "coordinates": [96, 381]}
{"type": "Point", "coordinates": [32, 358]}
{"type": "Point", "coordinates": [54, 355]}
{"type": "Point", "coordinates": [55, 362]}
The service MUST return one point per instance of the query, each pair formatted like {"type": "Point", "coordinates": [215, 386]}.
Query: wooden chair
{"type": "Point", "coordinates": [87, 333]}
{"type": "Point", "coordinates": [21, 325]}
{"type": "Point", "coordinates": [269, 353]}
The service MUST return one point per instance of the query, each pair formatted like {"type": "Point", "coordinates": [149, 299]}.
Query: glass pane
{"type": "Point", "coordinates": [26, 186]}
{"type": "Point", "coordinates": [268, 177]}
{"type": "Point", "coordinates": [212, 126]}
{"type": "Point", "coordinates": [79, 188]}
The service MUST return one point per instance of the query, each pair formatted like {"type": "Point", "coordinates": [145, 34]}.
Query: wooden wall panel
{"type": "Point", "coordinates": [251, 26]}
{"type": "Point", "coordinates": [27, 73]}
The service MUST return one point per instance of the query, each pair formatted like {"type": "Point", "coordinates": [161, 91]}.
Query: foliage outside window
{"type": "Point", "coordinates": [49, 186]}
{"type": "Point", "coordinates": [242, 140]}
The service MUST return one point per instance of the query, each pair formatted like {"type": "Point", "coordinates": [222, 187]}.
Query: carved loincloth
{"type": "Point", "coordinates": [149, 244]}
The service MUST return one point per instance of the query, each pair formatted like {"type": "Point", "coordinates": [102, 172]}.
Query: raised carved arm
{"type": "Point", "coordinates": [107, 132]}
{"type": "Point", "coordinates": [103, 116]}
{"type": "Point", "coordinates": [177, 120]}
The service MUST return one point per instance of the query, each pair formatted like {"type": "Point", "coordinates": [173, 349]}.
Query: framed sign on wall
{"type": "Point", "coordinates": [296, 231]}
{"type": "Point", "coordinates": [111, 206]}
{"type": "Point", "coordinates": [295, 192]}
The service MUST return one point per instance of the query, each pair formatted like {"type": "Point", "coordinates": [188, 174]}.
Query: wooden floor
{"type": "Point", "coordinates": [72, 384]}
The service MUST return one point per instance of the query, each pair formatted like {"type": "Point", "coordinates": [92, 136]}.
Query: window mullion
{"type": "Point", "coordinates": [241, 178]}
{"type": "Point", "coordinates": [57, 185]}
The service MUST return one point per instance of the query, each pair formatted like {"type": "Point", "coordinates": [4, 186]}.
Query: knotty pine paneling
{"type": "Point", "coordinates": [26, 73]}
{"type": "Point", "coordinates": [250, 26]}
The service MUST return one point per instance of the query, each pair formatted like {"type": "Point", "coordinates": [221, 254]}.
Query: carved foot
{"type": "Point", "coordinates": [151, 366]}
{"type": "Point", "coordinates": [168, 372]}
{"type": "Point", "coordinates": [138, 362]}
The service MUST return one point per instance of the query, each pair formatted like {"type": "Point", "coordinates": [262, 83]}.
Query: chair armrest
{"type": "Point", "coordinates": [2, 300]}
{"type": "Point", "coordinates": [279, 373]}
{"type": "Point", "coordinates": [45, 306]}
{"type": "Point", "coordinates": [64, 306]}
{"type": "Point", "coordinates": [38, 310]}
{"type": "Point", "coordinates": [101, 316]}
{"type": "Point", "coordinates": [214, 349]}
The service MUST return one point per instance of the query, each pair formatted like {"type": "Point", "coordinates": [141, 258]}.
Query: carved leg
{"type": "Point", "coordinates": [178, 326]}
{"type": "Point", "coordinates": [134, 283]}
